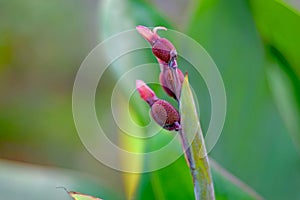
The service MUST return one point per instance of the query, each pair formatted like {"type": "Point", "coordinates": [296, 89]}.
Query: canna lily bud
{"type": "Point", "coordinates": [162, 111]}
{"type": "Point", "coordinates": [162, 48]}
{"type": "Point", "coordinates": [171, 80]}
{"type": "Point", "coordinates": [165, 115]}
{"type": "Point", "coordinates": [171, 77]}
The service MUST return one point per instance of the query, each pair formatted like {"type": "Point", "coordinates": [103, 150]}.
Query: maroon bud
{"type": "Point", "coordinates": [145, 92]}
{"type": "Point", "coordinates": [165, 115]}
{"type": "Point", "coordinates": [162, 48]}
{"type": "Point", "coordinates": [161, 111]}
{"type": "Point", "coordinates": [171, 80]}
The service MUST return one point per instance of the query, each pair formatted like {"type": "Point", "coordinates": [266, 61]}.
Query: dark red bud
{"type": "Point", "coordinates": [161, 111]}
{"type": "Point", "coordinates": [162, 48]}
{"type": "Point", "coordinates": [165, 115]}
{"type": "Point", "coordinates": [171, 85]}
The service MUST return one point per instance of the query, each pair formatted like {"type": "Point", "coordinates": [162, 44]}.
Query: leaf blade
{"type": "Point", "coordinates": [253, 124]}
{"type": "Point", "coordinates": [280, 30]}
{"type": "Point", "coordinates": [193, 142]}
{"type": "Point", "coordinates": [80, 196]}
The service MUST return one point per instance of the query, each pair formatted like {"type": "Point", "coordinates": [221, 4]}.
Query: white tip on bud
{"type": "Point", "coordinates": [155, 29]}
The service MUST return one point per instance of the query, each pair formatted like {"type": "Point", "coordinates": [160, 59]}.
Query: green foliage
{"type": "Point", "coordinates": [27, 181]}
{"type": "Point", "coordinates": [254, 137]}
{"type": "Point", "coordinates": [255, 45]}
{"type": "Point", "coordinates": [281, 37]}
{"type": "Point", "coordinates": [279, 27]}
{"type": "Point", "coordinates": [228, 186]}
{"type": "Point", "coordinates": [167, 183]}
{"type": "Point", "coordinates": [80, 196]}
{"type": "Point", "coordinates": [191, 133]}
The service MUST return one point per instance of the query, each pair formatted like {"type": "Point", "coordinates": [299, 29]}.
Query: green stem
{"type": "Point", "coordinates": [199, 168]}
{"type": "Point", "coordinates": [194, 146]}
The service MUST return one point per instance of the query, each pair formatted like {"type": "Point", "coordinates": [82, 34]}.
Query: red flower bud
{"type": "Point", "coordinates": [171, 80]}
{"type": "Point", "coordinates": [162, 48]}
{"type": "Point", "coordinates": [145, 92]}
{"type": "Point", "coordinates": [161, 111]}
{"type": "Point", "coordinates": [165, 115]}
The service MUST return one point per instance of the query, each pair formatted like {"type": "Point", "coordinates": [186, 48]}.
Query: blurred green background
{"type": "Point", "coordinates": [254, 43]}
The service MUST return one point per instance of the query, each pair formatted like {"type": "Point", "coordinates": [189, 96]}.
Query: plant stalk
{"type": "Point", "coordinates": [199, 167]}
{"type": "Point", "coordinates": [193, 145]}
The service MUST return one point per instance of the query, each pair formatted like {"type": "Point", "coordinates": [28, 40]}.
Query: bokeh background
{"type": "Point", "coordinates": [254, 43]}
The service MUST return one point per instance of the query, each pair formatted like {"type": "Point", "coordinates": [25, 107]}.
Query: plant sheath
{"type": "Point", "coordinates": [194, 146]}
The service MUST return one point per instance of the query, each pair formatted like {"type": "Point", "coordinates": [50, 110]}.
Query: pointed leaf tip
{"type": "Point", "coordinates": [78, 195]}
{"type": "Point", "coordinates": [186, 77]}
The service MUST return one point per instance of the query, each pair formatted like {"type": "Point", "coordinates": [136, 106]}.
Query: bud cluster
{"type": "Point", "coordinates": [170, 78]}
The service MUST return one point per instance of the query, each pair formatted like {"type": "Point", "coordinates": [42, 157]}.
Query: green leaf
{"type": "Point", "coordinates": [130, 144]}
{"type": "Point", "coordinates": [171, 182]}
{"type": "Point", "coordinates": [227, 186]}
{"type": "Point", "coordinates": [280, 27]}
{"type": "Point", "coordinates": [254, 143]}
{"type": "Point", "coordinates": [80, 196]}
{"type": "Point", "coordinates": [285, 88]}
{"type": "Point", "coordinates": [27, 181]}
{"type": "Point", "coordinates": [162, 184]}
{"type": "Point", "coordinates": [193, 142]}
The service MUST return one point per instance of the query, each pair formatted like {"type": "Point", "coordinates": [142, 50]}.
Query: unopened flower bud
{"type": "Point", "coordinates": [165, 115]}
{"type": "Point", "coordinates": [171, 80]}
{"type": "Point", "coordinates": [162, 48]}
{"type": "Point", "coordinates": [171, 77]}
{"type": "Point", "coordinates": [161, 111]}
